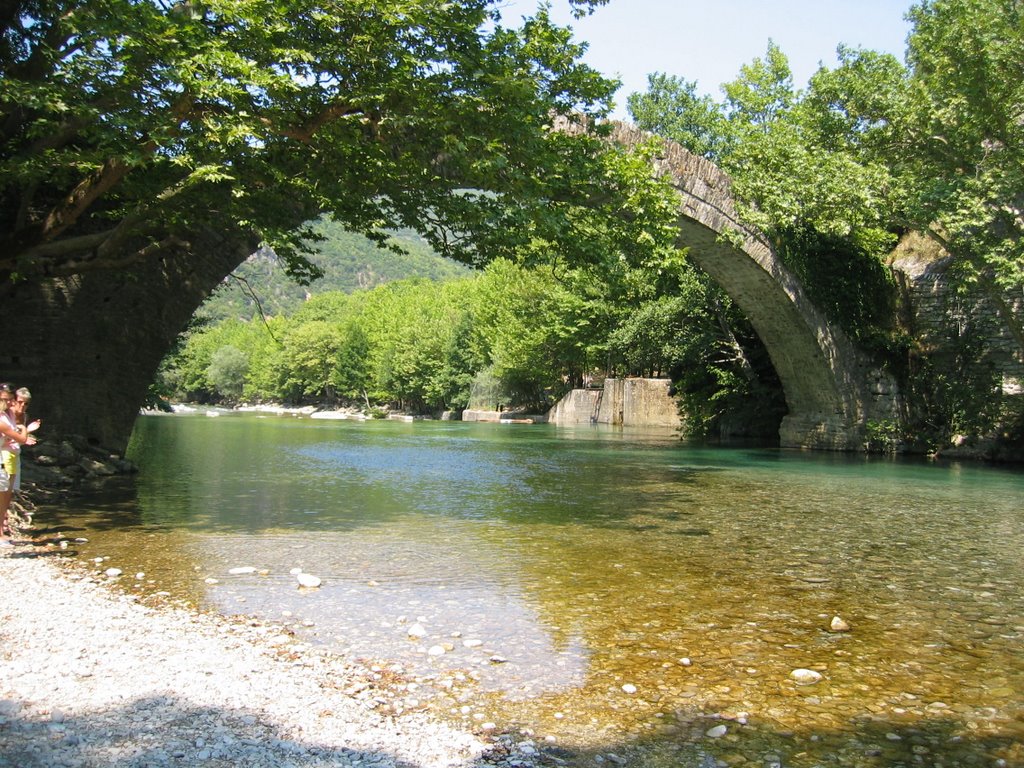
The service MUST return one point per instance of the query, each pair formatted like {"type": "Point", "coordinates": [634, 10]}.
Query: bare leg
{"type": "Point", "coordinates": [5, 503]}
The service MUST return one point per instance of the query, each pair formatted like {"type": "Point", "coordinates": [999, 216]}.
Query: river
{"type": "Point", "coordinates": [605, 590]}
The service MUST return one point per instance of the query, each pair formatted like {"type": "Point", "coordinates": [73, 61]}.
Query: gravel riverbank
{"type": "Point", "coordinates": [93, 677]}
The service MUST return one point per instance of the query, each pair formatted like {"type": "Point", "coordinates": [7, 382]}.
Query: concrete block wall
{"type": "Point", "coordinates": [623, 402]}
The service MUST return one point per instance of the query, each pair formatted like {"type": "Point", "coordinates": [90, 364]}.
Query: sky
{"type": "Point", "coordinates": [709, 40]}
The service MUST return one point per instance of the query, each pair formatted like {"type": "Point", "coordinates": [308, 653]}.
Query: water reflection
{"type": "Point", "coordinates": [606, 586]}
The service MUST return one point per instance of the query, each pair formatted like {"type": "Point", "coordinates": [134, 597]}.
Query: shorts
{"type": "Point", "coordinates": [10, 471]}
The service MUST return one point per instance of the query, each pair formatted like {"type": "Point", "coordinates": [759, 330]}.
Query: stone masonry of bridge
{"type": "Point", "coordinates": [832, 391]}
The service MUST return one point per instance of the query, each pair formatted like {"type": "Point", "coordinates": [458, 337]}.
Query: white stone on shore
{"type": "Point", "coordinates": [717, 732]}
{"type": "Point", "coordinates": [308, 580]}
{"type": "Point", "coordinates": [113, 572]}
{"type": "Point", "coordinates": [417, 631]}
{"type": "Point", "coordinates": [472, 643]}
{"type": "Point", "coordinates": [436, 650]}
{"type": "Point", "coordinates": [629, 688]}
{"type": "Point", "coordinates": [805, 676]}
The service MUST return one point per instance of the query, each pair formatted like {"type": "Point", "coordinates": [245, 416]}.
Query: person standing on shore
{"type": "Point", "coordinates": [14, 433]}
{"type": "Point", "coordinates": [23, 397]}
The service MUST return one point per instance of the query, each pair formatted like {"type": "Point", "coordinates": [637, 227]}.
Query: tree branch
{"type": "Point", "coordinates": [91, 262]}
{"type": "Point", "coordinates": [304, 133]}
{"type": "Point", "coordinates": [251, 293]}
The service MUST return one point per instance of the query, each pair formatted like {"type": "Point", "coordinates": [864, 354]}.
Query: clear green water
{"type": "Point", "coordinates": [639, 591]}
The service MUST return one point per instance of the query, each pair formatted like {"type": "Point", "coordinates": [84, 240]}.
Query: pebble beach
{"type": "Point", "coordinates": [95, 677]}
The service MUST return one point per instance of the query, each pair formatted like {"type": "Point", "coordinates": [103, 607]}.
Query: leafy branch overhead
{"type": "Point", "coordinates": [128, 125]}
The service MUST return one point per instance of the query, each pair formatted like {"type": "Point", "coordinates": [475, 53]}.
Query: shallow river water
{"type": "Point", "coordinates": [607, 591]}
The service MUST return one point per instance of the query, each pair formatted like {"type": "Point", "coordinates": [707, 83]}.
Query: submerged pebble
{"type": "Point", "coordinates": [838, 624]}
{"type": "Point", "coordinates": [805, 676]}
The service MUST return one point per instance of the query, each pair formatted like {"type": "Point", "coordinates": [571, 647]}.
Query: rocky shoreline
{"type": "Point", "coordinates": [93, 676]}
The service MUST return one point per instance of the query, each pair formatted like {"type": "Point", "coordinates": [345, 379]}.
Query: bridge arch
{"type": "Point", "coordinates": [93, 342]}
{"type": "Point", "coordinates": [832, 391]}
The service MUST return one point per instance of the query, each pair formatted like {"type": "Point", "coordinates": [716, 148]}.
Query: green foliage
{"type": "Point", "coordinates": [849, 283]}
{"type": "Point", "coordinates": [128, 127]}
{"type": "Point", "coordinates": [883, 436]}
{"type": "Point", "coordinates": [196, 358]}
{"type": "Point", "coordinates": [226, 373]}
{"type": "Point", "coordinates": [831, 175]}
{"type": "Point", "coordinates": [649, 340]}
{"type": "Point", "coordinates": [415, 351]}
{"type": "Point", "coordinates": [539, 331]}
{"type": "Point", "coordinates": [963, 163]}
{"type": "Point", "coordinates": [352, 372]}
{"type": "Point", "coordinates": [672, 108]}
{"type": "Point", "coordinates": [267, 371]}
{"type": "Point", "coordinates": [800, 174]}
{"type": "Point", "coordinates": [762, 96]}
{"type": "Point", "coordinates": [486, 392]}
{"type": "Point", "coordinates": [308, 355]}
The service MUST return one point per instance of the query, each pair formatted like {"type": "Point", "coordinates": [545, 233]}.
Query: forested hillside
{"type": "Point", "coordinates": [348, 261]}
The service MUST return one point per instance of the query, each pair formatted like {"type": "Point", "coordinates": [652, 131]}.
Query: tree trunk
{"type": "Point", "coordinates": [89, 346]}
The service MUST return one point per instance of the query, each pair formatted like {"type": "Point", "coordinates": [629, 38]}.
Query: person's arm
{"type": "Point", "coordinates": [17, 435]}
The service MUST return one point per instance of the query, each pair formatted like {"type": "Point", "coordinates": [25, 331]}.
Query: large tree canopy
{"type": "Point", "coordinates": [128, 125]}
{"type": "Point", "coordinates": [148, 147]}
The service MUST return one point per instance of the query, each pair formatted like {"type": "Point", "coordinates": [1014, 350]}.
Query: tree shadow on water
{"type": "Point", "coordinates": [698, 741]}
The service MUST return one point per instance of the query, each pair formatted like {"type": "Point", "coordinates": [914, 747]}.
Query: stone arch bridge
{"type": "Point", "coordinates": [91, 344]}
{"type": "Point", "coordinates": [832, 391]}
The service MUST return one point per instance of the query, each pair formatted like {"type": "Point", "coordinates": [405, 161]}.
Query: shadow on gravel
{"type": "Point", "coordinates": [165, 731]}
{"type": "Point", "coordinates": [33, 554]}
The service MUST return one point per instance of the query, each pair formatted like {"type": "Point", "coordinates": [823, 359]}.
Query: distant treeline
{"type": "Point", "coordinates": [504, 336]}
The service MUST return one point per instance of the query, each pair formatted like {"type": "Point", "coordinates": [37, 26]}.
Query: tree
{"type": "Point", "coordinates": [127, 125]}
{"type": "Point", "coordinates": [962, 154]}
{"type": "Point", "coordinates": [763, 93]}
{"type": "Point", "coordinates": [672, 108]}
{"type": "Point", "coordinates": [799, 179]}
{"type": "Point", "coordinates": [148, 148]}
{"type": "Point", "coordinates": [309, 352]}
{"type": "Point", "coordinates": [875, 148]}
{"type": "Point", "coordinates": [352, 372]}
{"type": "Point", "coordinates": [227, 370]}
